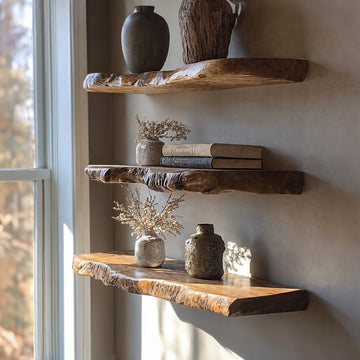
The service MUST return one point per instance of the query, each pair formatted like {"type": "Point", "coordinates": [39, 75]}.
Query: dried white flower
{"type": "Point", "coordinates": [143, 216]}
{"type": "Point", "coordinates": [154, 131]}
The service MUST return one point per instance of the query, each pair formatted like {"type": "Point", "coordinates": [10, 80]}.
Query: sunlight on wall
{"type": "Point", "coordinates": [166, 337]}
{"type": "Point", "coordinates": [237, 259]}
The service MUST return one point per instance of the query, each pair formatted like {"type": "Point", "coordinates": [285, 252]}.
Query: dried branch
{"type": "Point", "coordinates": [143, 216]}
{"type": "Point", "coordinates": [154, 131]}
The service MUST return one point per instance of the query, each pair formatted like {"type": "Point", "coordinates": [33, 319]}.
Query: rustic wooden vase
{"type": "Point", "coordinates": [204, 253]}
{"type": "Point", "coordinates": [205, 28]}
{"type": "Point", "coordinates": [149, 152]}
{"type": "Point", "coordinates": [150, 250]}
{"type": "Point", "coordinates": [145, 40]}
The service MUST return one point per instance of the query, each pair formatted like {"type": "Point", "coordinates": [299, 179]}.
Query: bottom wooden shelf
{"type": "Point", "coordinates": [233, 295]}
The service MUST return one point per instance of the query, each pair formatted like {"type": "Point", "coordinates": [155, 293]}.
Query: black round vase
{"type": "Point", "coordinates": [145, 40]}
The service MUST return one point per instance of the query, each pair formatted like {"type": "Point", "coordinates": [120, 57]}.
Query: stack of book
{"type": "Point", "coordinates": [212, 156]}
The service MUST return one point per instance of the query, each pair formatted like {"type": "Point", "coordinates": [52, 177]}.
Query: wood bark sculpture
{"type": "Point", "coordinates": [205, 27]}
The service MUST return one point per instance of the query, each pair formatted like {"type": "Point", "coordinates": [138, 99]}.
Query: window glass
{"type": "Point", "coordinates": [16, 269]}
{"type": "Point", "coordinates": [17, 143]}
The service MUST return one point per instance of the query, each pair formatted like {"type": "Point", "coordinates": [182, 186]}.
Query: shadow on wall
{"type": "Point", "coordinates": [277, 22]}
{"type": "Point", "coordinates": [129, 311]}
{"type": "Point", "coordinates": [275, 336]}
{"type": "Point", "coordinates": [328, 329]}
{"type": "Point", "coordinates": [274, 160]}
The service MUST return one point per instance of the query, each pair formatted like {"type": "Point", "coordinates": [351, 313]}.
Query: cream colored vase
{"type": "Point", "coordinates": [150, 250]}
{"type": "Point", "coordinates": [149, 152]}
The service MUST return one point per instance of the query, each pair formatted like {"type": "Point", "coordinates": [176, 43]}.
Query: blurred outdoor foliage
{"type": "Point", "coordinates": [16, 198]}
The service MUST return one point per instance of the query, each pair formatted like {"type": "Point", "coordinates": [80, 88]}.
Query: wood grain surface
{"type": "Point", "coordinates": [205, 75]}
{"type": "Point", "coordinates": [233, 295]}
{"type": "Point", "coordinates": [205, 29]}
{"type": "Point", "coordinates": [201, 180]}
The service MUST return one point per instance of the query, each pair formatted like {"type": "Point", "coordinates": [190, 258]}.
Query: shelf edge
{"type": "Point", "coordinates": [199, 180]}
{"type": "Point", "coordinates": [216, 74]}
{"type": "Point", "coordinates": [288, 301]}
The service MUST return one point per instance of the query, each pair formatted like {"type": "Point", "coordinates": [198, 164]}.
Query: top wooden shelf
{"type": "Point", "coordinates": [217, 74]}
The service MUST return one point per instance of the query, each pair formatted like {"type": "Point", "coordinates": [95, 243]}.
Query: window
{"type": "Point", "coordinates": [41, 182]}
{"type": "Point", "coordinates": [20, 196]}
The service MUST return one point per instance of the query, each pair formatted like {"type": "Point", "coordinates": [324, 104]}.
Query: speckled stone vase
{"type": "Point", "coordinates": [145, 40]}
{"type": "Point", "coordinates": [149, 152]}
{"type": "Point", "coordinates": [150, 250]}
{"type": "Point", "coordinates": [204, 253]}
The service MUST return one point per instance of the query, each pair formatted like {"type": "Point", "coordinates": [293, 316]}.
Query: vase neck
{"type": "Point", "coordinates": [149, 233]}
{"type": "Point", "coordinates": [205, 229]}
{"type": "Point", "coordinates": [150, 140]}
{"type": "Point", "coordinates": [144, 9]}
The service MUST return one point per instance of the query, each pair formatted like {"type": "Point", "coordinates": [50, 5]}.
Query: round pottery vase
{"type": "Point", "coordinates": [149, 152]}
{"type": "Point", "coordinates": [145, 40]}
{"type": "Point", "coordinates": [205, 29]}
{"type": "Point", "coordinates": [204, 253]}
{"type": "Point", "coordinates": [150, 250]}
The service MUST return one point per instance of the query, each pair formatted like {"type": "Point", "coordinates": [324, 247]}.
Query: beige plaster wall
{"type": "Point", "coordinates": [310, 241]}
{"type": "Point", "coordinates": [100, 151]}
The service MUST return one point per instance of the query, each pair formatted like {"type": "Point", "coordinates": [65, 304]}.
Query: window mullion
{"type": "Point", "coordinates": [40, 98]}
{"type": "Point", "coordinates": [50, 279]}
{"type": "Point", "coordinates": [39, 270]}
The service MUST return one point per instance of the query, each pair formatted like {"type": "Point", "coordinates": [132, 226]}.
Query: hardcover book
{"type": "Point", "coordinates": [213, 150]}
{"type": "Point", "coordinates": [209, 162]}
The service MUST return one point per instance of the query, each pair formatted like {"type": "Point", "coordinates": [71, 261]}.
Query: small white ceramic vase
{"type": "Point", "coordinates": [149, 152]}
{"type": "Point", "coordinates": [150, 250]}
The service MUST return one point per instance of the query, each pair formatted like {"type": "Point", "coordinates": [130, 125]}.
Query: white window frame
{"type": "Point", "coordinates": [61, 189]}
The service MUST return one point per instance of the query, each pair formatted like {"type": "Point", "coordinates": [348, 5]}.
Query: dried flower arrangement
{"type": "Point", "coordinates": [143, 215]}
{"type": "Point", "coordinates": [154, 131]}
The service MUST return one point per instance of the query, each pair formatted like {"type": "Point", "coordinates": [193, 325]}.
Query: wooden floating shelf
{"type": "Point", "coordinates": [233, 295]}
{"type": "Point", "coordinates": [215, 74]}
{"type": "Point", "coordinates": [200, 180]}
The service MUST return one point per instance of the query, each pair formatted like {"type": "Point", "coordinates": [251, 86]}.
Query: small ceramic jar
{"type": "Point", "coordinates": [204, 253]}
{"type": "Point", "coordinates": [149, 152]}
{"type": "Point", "coordinates": [150, 250]}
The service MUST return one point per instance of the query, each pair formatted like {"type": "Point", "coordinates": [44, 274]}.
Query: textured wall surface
{"type": "Point", "coordinates": [100, 151]}
{"type": "Point", "coordinates": [309, 241]}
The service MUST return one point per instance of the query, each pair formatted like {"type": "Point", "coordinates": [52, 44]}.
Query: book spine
{"type": "Point", "coordinates": [186, 162]}
{"type": "Point", "coordinates": [213, 150]}
{"type": "Point", "coordinates": [187, 150]}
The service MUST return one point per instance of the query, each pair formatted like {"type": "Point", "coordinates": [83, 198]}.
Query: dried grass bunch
{"type": "Point", "coordinates": [154, 131]}
{"type": "Point", "coordinates": [143, 215]}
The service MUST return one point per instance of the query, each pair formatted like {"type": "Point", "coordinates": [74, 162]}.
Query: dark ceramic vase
{"type": "Point", "coordinates": [145, 40]}
{"type": "Point", "coordinates": [204, 253]}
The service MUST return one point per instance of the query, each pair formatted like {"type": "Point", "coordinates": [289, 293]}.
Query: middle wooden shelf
{"type": "Point", "coordinates": [201, 180]}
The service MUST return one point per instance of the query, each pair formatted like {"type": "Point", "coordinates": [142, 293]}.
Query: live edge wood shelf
{"type": "Point", "coordinates": [215, 74]}
{"type": "Point", "coordinates": [233, 295]}
{"type": "Point", "coordinates": [199, 180]}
